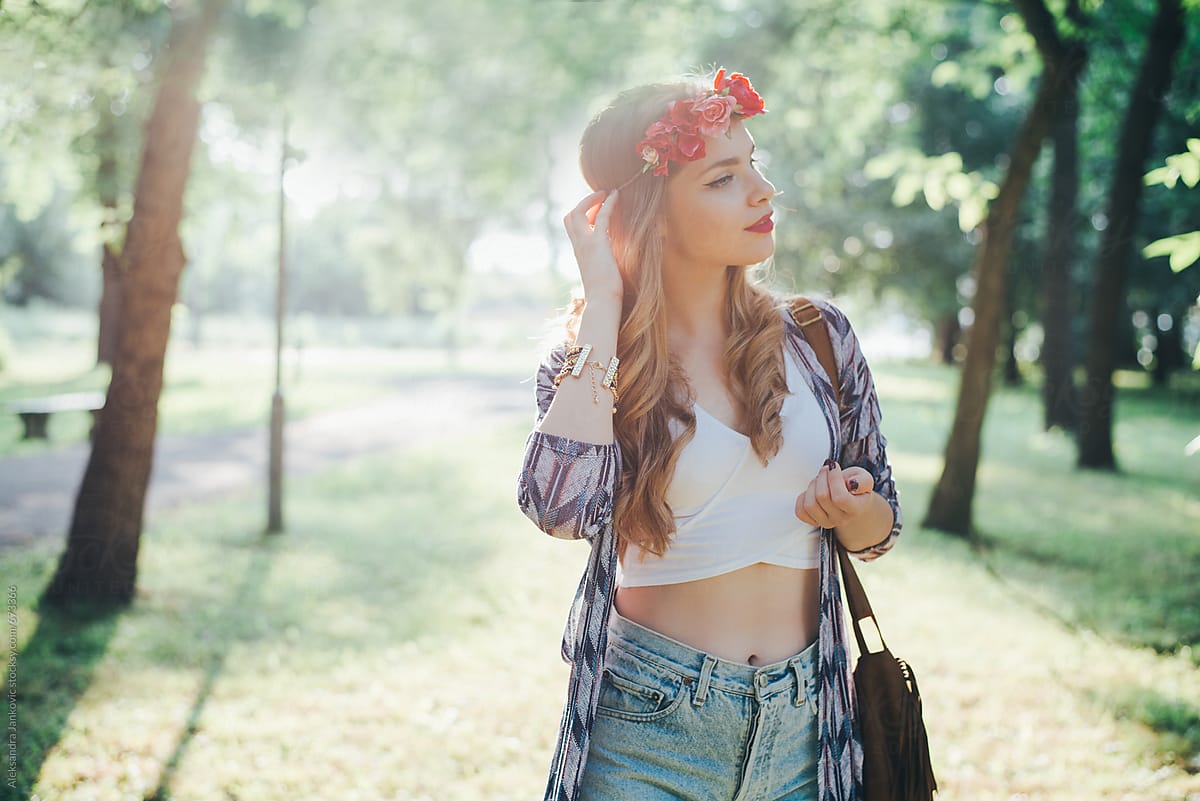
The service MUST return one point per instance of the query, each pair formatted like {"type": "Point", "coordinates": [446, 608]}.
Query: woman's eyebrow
{"type": "Point", "coordinates": [729, 162]}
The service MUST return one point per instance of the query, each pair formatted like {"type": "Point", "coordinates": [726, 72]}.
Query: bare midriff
{"type": "Point", "coordinates": [755, 615]}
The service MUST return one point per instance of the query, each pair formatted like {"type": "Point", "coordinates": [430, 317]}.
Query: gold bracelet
{"type": "Point", "coordinates": [576, 360]}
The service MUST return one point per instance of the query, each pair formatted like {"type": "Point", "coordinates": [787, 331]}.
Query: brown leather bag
{"type": "Point", "coordinates": [896, 765]}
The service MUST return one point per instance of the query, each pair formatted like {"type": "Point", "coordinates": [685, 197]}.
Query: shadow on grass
{"type": "Point", "coordinates": [378, 552]}
{"type": "Point", "coordinates": [58, 663]}
{"type": "Point", "coordinates": [1140, 587]}
{"type": "Point", "coordinates": [247, 596]}
{"type": "Point", "coordinates": [55, 670]}
{"type": "Point", "coordinates": [1176, 722]}
{"type": "Point", "coordinates": [1113, 551]}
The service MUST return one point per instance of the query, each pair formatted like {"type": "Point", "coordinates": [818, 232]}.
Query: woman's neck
{"type": "Point", "coordinates": [695, 305]}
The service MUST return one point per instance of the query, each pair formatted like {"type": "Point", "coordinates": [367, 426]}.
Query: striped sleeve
{"type": "Point", "coordinates": [566, 486]}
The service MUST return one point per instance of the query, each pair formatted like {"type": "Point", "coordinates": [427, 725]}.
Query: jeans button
{"type": "Point", "coordinates": [762, 679]}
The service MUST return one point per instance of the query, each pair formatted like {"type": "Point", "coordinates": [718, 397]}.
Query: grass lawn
{"type": "Point", "coordinates": [225, 383]}
{"type": "Point", "coordinates": [401, 640]}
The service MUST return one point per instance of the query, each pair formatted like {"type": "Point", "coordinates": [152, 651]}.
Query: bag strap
{"type": "Point", "coordinates": [818, 339]}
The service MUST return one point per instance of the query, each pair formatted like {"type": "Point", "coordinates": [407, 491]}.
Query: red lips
{"type": "Point", "coordinates": [763, 226]}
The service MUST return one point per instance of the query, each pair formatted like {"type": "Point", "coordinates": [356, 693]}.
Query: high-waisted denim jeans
{"type": "Point", "coordinates": [677, 723]}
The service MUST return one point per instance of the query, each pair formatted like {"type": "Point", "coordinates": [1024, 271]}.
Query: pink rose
{"type": "Point", "coordinates": [656, 147]}
{"type": "Point", "coordinates": [713, 114]}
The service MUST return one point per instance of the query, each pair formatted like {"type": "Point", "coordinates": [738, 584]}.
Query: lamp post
{"type": "Point", "coordinates": [275, 469]}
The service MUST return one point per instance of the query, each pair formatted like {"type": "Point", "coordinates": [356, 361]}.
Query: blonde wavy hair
{"type": "Point", "coordinates": [654, 387]}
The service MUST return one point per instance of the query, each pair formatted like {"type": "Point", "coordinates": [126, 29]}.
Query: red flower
{"type": "Point", "coordinates": [689, 146]}
{"type": "Point", "coordinates": [680, 115]}
{"type": "Point", "coordinates": [737, 86]}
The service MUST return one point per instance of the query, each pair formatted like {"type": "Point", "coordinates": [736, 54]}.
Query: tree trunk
{"type": "Point", "coordinates": [1012, 373]}
{"type": "Point", "coordinates": [110, 264]}
{"type": "Point", "coordinates": [110, 305]}
{"type": "Point", "coordinates": [950, 505]}
{"type": "Point", "coordinates": [1168, 355]}
{"type": "Point", "coordinates": [1116, 250]}
{"type": "Point", "coordinates": [1060, 402]}
{"type": "Point", "coordinates": [99, 564]}
{"type": "Point", "coordinates": [946, 335]}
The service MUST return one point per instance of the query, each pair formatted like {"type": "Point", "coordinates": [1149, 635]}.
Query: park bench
{"type": "Point", "coordinates": [35, 412]}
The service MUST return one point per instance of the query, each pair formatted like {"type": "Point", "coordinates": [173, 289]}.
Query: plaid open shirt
{"type": "Point", "coordinates": [567, 487]}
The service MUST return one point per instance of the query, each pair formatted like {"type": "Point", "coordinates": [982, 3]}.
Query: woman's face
{"type": "Point", "coordinates": [715, 207]}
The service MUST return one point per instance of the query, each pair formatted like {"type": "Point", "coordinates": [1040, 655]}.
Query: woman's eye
{"type": "Point", "coordinates": [724, 179]}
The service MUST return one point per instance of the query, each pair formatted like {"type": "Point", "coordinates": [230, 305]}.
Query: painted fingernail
{"type": "Point", "coordinates": [852, 484]}
{"type": "Point", "coordinates": [830, 463]}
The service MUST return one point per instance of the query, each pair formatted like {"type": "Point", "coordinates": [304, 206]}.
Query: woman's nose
{"type": "Point", "coordinates": [763, 190]}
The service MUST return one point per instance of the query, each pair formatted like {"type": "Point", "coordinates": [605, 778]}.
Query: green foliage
{"type": "Point", "coordinates": [1180, 166]}
{"type": "Point", "coordinates": [940, 178]}
{"type": "Point", "coordinates": [39, 257]}
{"type": "Point", "coordinates": [427, 125]}
{"type": "Point", "coordinates": [1184, 249]}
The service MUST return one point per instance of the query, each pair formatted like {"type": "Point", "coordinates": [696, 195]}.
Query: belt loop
{"type": "Point", "coordinates": [801, 683]}
{"type": "Point", "coordinates": [705, 679]}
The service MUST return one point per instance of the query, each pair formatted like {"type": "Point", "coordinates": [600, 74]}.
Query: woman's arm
{"type": "Point", "coordinates": [567, 481]}
{"type": "Point", "coordinates": [572, 461]}
{"type": "Point", "coordinates": [864, 445]}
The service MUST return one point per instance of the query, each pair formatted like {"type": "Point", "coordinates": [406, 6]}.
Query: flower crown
{"type": "Point", "coordinates": [679, 134]}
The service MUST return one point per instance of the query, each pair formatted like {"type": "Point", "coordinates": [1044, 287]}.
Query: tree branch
{"type": "Point", "coordinates": [1042, 26]}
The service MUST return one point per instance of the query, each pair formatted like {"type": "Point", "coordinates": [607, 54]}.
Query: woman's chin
{"type": "Point", "coordinates": [758, 255]}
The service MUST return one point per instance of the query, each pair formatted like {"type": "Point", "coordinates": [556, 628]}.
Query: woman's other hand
{"type": "Point", "coordinates": [587, 227]}
{"type": "Point", "coordinates": [835, 496]}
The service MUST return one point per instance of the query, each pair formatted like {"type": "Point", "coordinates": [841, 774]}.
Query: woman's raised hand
{"type": "Point", "coordinates": [587, 227]}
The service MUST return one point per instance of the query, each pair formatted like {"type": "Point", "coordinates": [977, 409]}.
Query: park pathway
{"type": "Point", "coordinates": [37, 492]}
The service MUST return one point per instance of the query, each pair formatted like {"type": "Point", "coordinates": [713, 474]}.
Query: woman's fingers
{"type": "Point", "coordinates": [587, 203]}
{"type": "Point", "coordinates": [858, 480]}
{"type": "Point", "coordinates": [576, 217]}
{"type": "Point", "coordinates": [587, 227]}
{"type": "Point", "coordinates": [803, 502]}
{"type": "Point", "coordinates": [589, 210]}
{"type": "Point", "coordinates": [575, 220]}
{"type": "Point", "coordinates": [605, 209]}
{"type": "Point", "coordinates": [836, 492]}
{"type": "Point", "coordinates": [829, 497]}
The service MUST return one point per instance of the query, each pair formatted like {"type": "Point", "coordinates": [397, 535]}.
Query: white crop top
{"type": "Point", "coordinates": [730, 511]}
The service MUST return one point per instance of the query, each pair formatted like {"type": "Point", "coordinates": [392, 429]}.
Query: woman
{"type": "Point", "coordinates": [687, 430]}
